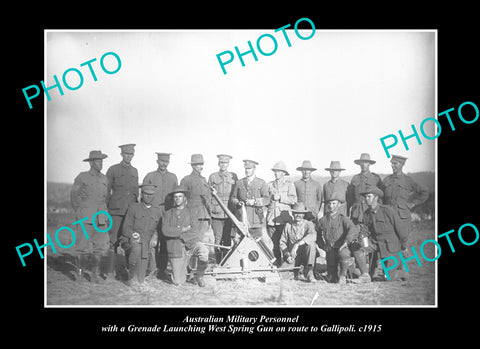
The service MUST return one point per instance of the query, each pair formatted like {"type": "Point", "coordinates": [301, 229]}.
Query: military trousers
{"type": "Point", "coordinates": [275, 232]}
{"type": "Point", "coordinates": [222, 232]}
{"type": "Point", "coordinates": [116, 231]}
{"type": "Point", "coordinates": [97, 243]}
{"type": "Point", "coordinates": [180, 264]}
{"type": "Point", "coordinates": [335, 257]}
{"type": "Point", "coordinates": [306, 254]}
{"type": "Point", "coordinates": [137, 266]}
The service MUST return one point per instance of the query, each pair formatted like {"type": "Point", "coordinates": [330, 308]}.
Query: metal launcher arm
{"type": "Point", "coordinates": [240, 226]}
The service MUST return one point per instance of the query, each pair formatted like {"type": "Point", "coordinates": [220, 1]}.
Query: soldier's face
{"type": "Point", "coordinates": [298, 217]}
{"type": "Point", "coordinates": [223, 165]}
{"type": "Point", "coordinates": [334, 173]}
{"type": "Point", "coordinates": [306, 174]}
{"type": "Point", "coordinates": [278, 174]}
{"type": "Point", "coordinates": [178, 199]}
{"type": "Point", "coordinates": [147, 198]}
{"type": "Point", "coordinates": [198, 168]}
{"type": "Point", "coordinates": [371, 199]}
{"type": "Point", "coordinates": [127, 157]}
{"type": "Point", "coordinates": [364, 166]}
{"type": "Point", "coordinates": [162, 164]}
{"type": "Point", "coordinates": [249, 171]}
{"type": "Point", "coordinates": [332, 206]}
{"type": "Point", "coordinates": [97, 164]}
{"type": "Point", "coordinates": [396, 166]}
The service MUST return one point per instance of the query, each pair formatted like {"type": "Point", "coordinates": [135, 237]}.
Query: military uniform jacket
{"type": "Point", "coordinates": [401, 192]}
{"type": "Point", "coordinates": [256, 189]}
{"type": "Point", "coordinates": [358, 184]}
{"type": "Point", "coordinates": [88, 196]}
{"type": "Point", "coordinates": [199, 195]}
{"type": "Point", "coordinates": [173, 222]}
{"type": "Point", "coordinates": [165, 183]}
{"type": "Point", "coordinates": [122, 189]}
{"type": "Point", "coordinates": [288, 196]}
{"type": "Point", "coordinates": [142, 220]}
{"type": "Point", "coordinates": [334, 230]}
{"type": "Point", "coordinates": [338, 190]}
{"type": "Point", "coordinates": [294, 233]}
{"type": "Point", "coordinates": [223, 182]}
{"type": "Point", "coordinates": [310, 193]}
{"type": "Point", "coordinates": [386, 229]}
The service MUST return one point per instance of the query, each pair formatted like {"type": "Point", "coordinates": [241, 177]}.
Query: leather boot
{"type": "Point", "coordinates": [309, 274]}
{"type": "Point", "coordinates": [95, 276]}
{"type": "Point", "coordinates": [201, 267]}
{"type": "Point", "coordinates": [79, 272]}
{"type": "Point", "coordinates": [344, 266]}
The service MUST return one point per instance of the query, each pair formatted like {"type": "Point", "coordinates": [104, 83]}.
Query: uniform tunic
{"type": "Point", "coordinates": [334, 230]}
{"type": "Point", "coordinates": [358, 184]}
{"type": "Point", "coordinates": [337, 190]}
{"type": "Point", "coordinates": [293, 233]}
{"type": "Point", "coordinates": [143, 220]}
{"type": "Point", "coordinates": [122, 189]}
{"type": "Point", "coordinates": [223, 182]}
{"type": "Point", "coordinates": [165, 183]}
{"type": "Point", "coordinates": [199, 195]}
{"type": "Point", "coordinates": [386, 228]}
{"type": "Point", "coordinates": [310, 193]}
{"type": "Point", "coordinates": [173, 222]}
{"type": "Point", "coordinates": [288, 196]}
{"type": "Point", "coordinates": [255, 189]}
{"type": "Point", "coordinates": [88, 196]}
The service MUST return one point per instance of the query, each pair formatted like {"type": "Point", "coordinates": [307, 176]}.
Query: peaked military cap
{"type": "Point", "coordinates": [163, 156]}
{"type": "Point", "coordinates": [372, 189]}
{"type": "Point", "coordinates": [148, 188]}
{"type": "Point", "coordinates": [224, 157]}
{"type": "Point", "coordinates": [398, 158]}
{"type": "Point", "coordinates": [95, 155]}
{"type": "Point", "coordinates": [249, 163]}
{"type": "Point", "coordinates": [127, 148]}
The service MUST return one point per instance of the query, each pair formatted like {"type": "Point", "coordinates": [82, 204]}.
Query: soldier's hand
{"type": "Point", "coordinates": [288, 258]}
{"type": "Point", "coordinates": [240, 203]}
{"type": "Point", "coordinates": [153, 242]}
{"type": "Point", "coordinates": [250, 202]}
{"type": "Point", "coordinates": [293, 253]}
{"type": "Point", "coordinates": [276, 197]}
{"type": "Point", "coordinates": [185, 229]}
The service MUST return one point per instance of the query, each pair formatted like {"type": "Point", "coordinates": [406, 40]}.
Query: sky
{"type": "Point", "coordinates": [331, 97]}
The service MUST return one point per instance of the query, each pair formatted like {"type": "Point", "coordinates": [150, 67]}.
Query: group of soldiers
{"type": "Point", "coordinates": [352, 225]}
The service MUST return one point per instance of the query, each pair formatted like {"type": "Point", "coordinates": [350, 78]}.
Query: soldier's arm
{"type": "Point", "coordinates": [264, 200]}
{"type": "Point", "coordinates": [320, 196]}
{"type": "Point", "coordinates": [283, 244]}
{"type": "Point", "coordinates": [310, 233]}
{"type": "Point", "coordinates": [75, 192]}
{"type": "Point", "coordinates": [352, 229]}
{"type": "Point", "coordinates": [136, 188]}
{"type": "Point", "coordinates": [128, 223]}
{"type": "Point", "coordinates": [234, 195]}
{"type": "Point", "coordinates": [290, 197]}
{"type": "Point", "coordinates": [109, 175]}
{"type": "Point", "coordinates": [401, 229]}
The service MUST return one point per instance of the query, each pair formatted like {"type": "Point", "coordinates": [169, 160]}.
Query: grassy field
{"type": "Point", "coordinates": [63, 290]}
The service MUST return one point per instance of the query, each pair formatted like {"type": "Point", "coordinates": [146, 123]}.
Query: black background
{"type": "Point", "coordinates": [458, 74]}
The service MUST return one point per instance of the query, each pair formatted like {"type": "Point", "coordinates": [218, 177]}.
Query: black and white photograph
{"type": "Point", "coordinates": [261, 182]}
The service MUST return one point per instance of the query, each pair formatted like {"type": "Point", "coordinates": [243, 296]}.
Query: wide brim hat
{"type": "Point", "coordinates": [306, 165]}
{"type": "Point", "coordinates": [299, 208]}
{"type": "Point", "coordinates": [335, 197]}
{"type": "Point", "coordinates": [335, 166]}
{"type": "Point", "coordinates": [372, 190]}
{"type": "Point", "coordinates": [179, 189]}
{"type": "Point", "coordinates": [196, 159]}
{"type": "Point", "coordinates": [96, 155]}
{"type": "Point", "coordinates": [280, 166]}
{"type": "Point", "coordinates": [365, 157]}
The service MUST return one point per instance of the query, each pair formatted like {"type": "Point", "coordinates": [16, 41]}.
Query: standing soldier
{"type": "Point", "coordinates": [336, 187]}
{"type": "Point", "coordinates": [282, 196]}
{"type": "Point", "coordinates": [388, 234]}
{"type": "Point", "coordinates": [88, 196]}
{"type": "Point", "coordinates": [308, 190]}
{"type": "Point", "coordinates": [401, 192]}
{"type": "Point", "coordinates": [359, 183]}
{"type": "Point", "coordinates": [140, 233]}
{"type": "Point", "coordinates": [122, 190]}
{"type": "Point", "coordinates": [223, 181]}
{"type": "Point", "coordinates": [250, 197]}
{"type": "Point", "coordinates": [164, 182]}
{"type": "Point", "coordinates": [199, 196]}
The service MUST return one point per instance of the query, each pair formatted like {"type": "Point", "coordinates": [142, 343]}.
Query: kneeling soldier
{"type": "Point", "coordinates": [335, 233]}
{"type": "Point", "coordinates": [184, 239]}
{"type": "Point", "coordinates": [388, 233]}
{"type": "Point", "coordinates": [140, 233]}
{"type": "Point", "coordinates": [297, 242]}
